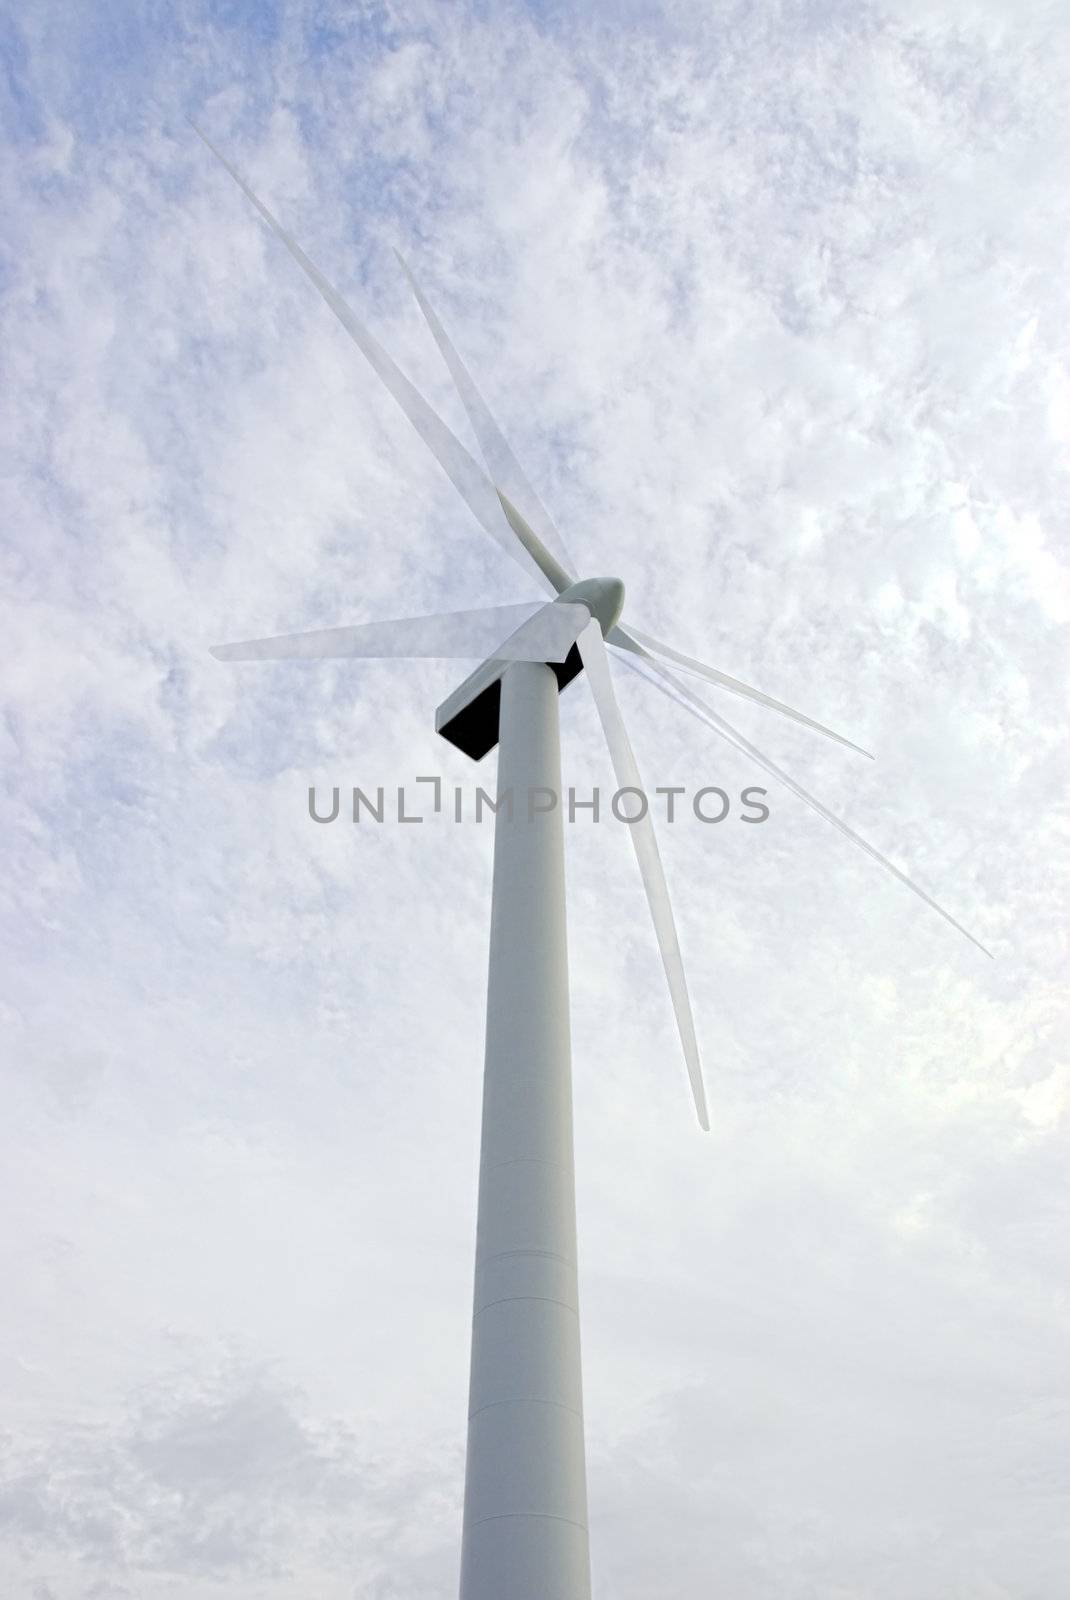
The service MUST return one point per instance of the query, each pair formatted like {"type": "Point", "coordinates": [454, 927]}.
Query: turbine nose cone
{"type": "Point", "coordinates": [614, 601]}
{"type": "Point", "coordinates": [603, 597]}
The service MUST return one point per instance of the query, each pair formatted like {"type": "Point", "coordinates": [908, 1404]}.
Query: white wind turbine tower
{"type": "Point", "coordinates": [525, 1502]}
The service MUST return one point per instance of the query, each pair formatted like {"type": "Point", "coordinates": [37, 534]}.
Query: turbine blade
{"type": "Point", "coordinates": [463, 472]}
{"type": "Point", "coordinates": [669, 684]}
{"type": "Point", "coordinates": [548, 636]}
{"type": "Point", "coordinates": [530, 631]}
{"type": "Point", "coordinates": [534, 545]}
{"type": "Point", "coordinates": [502, 465]}
{"type": "Point", "coordinates": [593, 653]}
{"type": "Point", "coordinates": [628, 639]}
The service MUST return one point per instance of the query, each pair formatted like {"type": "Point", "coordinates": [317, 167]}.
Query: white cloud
{"type": "Point", "coordinates": [770, 304]}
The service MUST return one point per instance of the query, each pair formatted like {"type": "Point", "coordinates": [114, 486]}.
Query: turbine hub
{"type": "Point", "coordinates": [603, 597]}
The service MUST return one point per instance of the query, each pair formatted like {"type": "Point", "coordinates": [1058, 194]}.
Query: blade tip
{"type": "Point", "coordinates": [848, 744]}
{"type": "Point", "coordinates": [406, 269]}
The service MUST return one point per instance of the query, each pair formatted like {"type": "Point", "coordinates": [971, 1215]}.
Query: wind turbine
{"type": "Point", "coordinates": [525, 1505]}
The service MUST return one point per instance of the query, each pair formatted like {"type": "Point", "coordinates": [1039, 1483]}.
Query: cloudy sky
{"type": "Point", "coordinates": [772, 302]}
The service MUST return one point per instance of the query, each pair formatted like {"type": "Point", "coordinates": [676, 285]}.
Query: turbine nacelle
{"type": "Point", "coordinates": [469, 718]}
